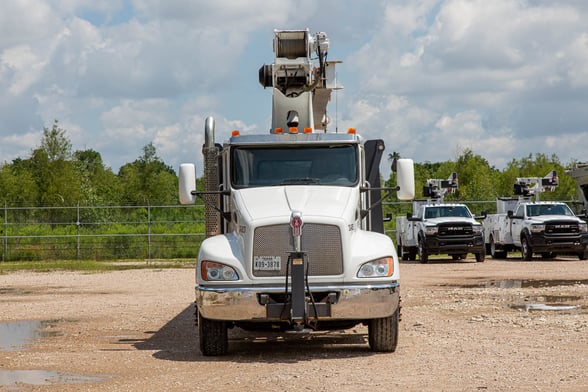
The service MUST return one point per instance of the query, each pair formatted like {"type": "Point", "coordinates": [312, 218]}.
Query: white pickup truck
{"type": "Point", "coordinates": [435, 227]}
{"type": "Point", "coordinates": [546, 228]}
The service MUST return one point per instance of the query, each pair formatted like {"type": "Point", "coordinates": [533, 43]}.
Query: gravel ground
{"type": "Point", "coordinates": [466, 326]}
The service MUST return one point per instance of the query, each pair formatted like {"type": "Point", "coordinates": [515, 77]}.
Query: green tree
{"type": "Point", "coordinates": [148, 180]}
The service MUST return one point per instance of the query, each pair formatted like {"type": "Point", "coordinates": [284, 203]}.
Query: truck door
{"type": "Point", "coordinates": [516, 224]}
{"type": "Point", "coordinates": [373, 155]}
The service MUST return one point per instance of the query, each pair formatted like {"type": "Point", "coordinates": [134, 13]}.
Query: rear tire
{"type": "Point", "coordinates": [213, 336]}
{"type": "Point", "coordinates": [383, 333]}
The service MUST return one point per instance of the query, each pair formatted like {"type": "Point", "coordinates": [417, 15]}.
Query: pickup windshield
{"type": "Point", "coordinates": [254, 166]}
{"type": "Point", "coordinates": [445, 211]}
{"type": "Point", "coordinates": [549, 209]}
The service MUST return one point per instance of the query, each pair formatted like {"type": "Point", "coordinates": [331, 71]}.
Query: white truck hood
{"type": "Point", "coordinates": [451, 219]}
{"type": "Point", "coordinates": [549, 218]}
{"type": "Point", "coordinates": [280, 201]}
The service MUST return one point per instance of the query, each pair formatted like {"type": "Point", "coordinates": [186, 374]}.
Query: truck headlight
{"type": "Point", "coordinates": [211, 271]}
{"type": "Point", "coordinates": [537, 228]}
{"type": "Point", "coordinates": [583, 227]}
{"type": "Point", "coordinates": [430, 230]}
{"type": "Point", "coordinates": [477, 228]}
{"type": "Point", "coordinates": [379, 268]}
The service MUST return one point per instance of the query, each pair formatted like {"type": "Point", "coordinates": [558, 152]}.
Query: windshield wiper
{"type": "Point", "coordinates": [301, 180]}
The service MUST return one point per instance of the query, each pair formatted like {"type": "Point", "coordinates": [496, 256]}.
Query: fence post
{"type": "Point", "coordinates": [78, 227]}
{"type": "Point", "coordinates": [5, 239]}
{"type": "Point", "coordinates": [149, 231]}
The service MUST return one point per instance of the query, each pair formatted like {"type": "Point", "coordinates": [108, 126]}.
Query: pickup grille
{"type": "Point", "coordinates": [562, 227]}
{"type": "Point", "coordinates": [451, 229]}
{"type": "Point", "coordinates": [322, 243]}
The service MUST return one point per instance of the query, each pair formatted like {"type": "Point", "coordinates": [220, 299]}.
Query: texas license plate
{"type": "Point", "coordinates": [267, 263]}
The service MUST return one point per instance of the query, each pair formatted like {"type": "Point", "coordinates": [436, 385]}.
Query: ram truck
{"type": "Point", "coordinates": [436, 227]}
{"type": "Point", "coordinates": [531, 226]}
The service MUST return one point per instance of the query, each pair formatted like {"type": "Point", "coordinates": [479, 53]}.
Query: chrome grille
{"type": "Point", "coordinates": [322, 244]}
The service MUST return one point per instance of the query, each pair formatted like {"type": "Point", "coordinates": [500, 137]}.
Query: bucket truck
{"type": "Point", "coordinates": [295, 237]}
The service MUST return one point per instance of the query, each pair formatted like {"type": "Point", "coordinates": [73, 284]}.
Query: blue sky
{"type": "Point", "coordinates": [504, 78]}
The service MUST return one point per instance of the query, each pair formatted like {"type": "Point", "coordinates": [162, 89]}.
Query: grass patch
{"type": "Point", "coordinates": [91, 265]}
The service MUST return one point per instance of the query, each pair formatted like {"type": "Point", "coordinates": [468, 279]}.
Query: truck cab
{"type": "Point", "coordinates": [547, 228]}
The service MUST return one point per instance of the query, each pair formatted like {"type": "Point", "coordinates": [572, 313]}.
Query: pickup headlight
{"type": "Point", "coordinates": [212, 271]}
{"type": "Point", "coordinates": [431, 230]}
{"type": "Point", "coordinates": [379, 268]}
{"type": "Point", "coordinates": [537, 228]}
{"type": "Point", "coordinates": [583, 227]}
{"type": "Point", "coordinates": [477, 228]}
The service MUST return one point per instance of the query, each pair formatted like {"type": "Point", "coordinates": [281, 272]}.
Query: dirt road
{"type": "Point", "coordinates": [466, 326]}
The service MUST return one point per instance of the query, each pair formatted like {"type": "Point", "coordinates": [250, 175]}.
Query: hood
{"type": "Point", "coordinates": [555, 218]}
{"type": "Point", "coordinates": [451, 219]}
{"type": "Point", "coordinates": [273, 202]}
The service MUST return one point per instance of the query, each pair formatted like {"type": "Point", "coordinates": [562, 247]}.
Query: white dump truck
{"type": "Point", "coordinates": [527, 224]}
{"type": "Point", "coordinates": [295, 234]}
{"type": "Point", "coordinates": [436, 227]}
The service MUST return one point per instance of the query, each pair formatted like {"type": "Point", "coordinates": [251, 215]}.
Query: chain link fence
{"type": "Point", "coordinates": [101, 233]}
{"type": "Point", "coordinates": [126, 232]}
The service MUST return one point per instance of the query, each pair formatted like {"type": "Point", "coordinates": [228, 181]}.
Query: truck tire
{"type": "Point", "coordinates": [495, 253]}
{"type": "Point", "coordinates": [401, 252]}
{"type": "Point", "coordinates": [583, 255]}
{"type": "Point", "coordinates": [213, 336]}
{"type": "Point", "coordinates": [412, 253]}
{"type": "Point", "coordinates": [383, 333]}
{"type": "Point", "coordinates": [480, 257]}
{"type": "Point", "coordinates": [526, 250]}
{"type": "Point", "coordinates": [423, 255]}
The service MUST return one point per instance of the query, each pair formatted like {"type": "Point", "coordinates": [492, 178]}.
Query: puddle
{"type": "Point", "coordinates": [14, 380]}
{"type": "Point", "coordinates": [15, 335]}
{"type": "Point", "coordinates": [545, 307]}
{"type": "Point", "coordinates": [525, 283]}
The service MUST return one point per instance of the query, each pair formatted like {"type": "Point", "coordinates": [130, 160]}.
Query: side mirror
{"type": "Point", "coordinates": [484, 215]}
{"type": "Point", "coordinates": [187, 183]}
{"type": "Point", "coordinates": [405, 179]}
{"type": "Point", "coordinates": [510, 214]}
{"type": "Point", "coordinates": [388, 218]}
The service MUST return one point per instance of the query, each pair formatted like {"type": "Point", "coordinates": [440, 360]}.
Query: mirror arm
{"type": "Point", "coordinates": [225, 215]}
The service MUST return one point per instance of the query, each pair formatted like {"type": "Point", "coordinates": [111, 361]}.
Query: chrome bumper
{"type": "Point", "coordinates": [355, 302]}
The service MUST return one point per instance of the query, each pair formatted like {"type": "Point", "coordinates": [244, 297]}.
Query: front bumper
{"type": "Point", "coordinates": [454, 244]}
{"type": "Point", "coordinates": [353, 302]}
{"type": "Point", "coordinates": [560, 243]}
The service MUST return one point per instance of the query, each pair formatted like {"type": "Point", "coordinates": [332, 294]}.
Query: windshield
{"type": "Point", "coordinates": [302, 165]}
{"type": "Point", "coordinates": [444, 211]}
{"type": "Point", "coordinates": [549, 209]}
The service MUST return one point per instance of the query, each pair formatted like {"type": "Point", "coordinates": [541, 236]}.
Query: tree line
{"type": "Point", "coordinates": [54, 175]}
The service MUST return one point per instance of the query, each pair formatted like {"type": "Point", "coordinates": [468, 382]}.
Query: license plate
{"type": "Point", "coordinates": [267, 263]}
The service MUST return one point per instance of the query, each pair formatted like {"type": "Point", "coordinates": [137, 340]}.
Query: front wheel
{"type": "Point", "coordinates": [526, 251]}
{"type": "Point", "coordinates": [383, 333]}
{"type": "Point", "coordinates": [480, 257]}
{"type": "Point", "coordinates": [213, 336]}
{"type": "Point", "coordinates": [423, 255]}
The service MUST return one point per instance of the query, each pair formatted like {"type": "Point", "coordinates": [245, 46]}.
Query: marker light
{"type": "Point", "coordinates": [235, 133]}
{"type": "Point", "coordinates": [351, 131]}
{"type": "Point", "coordinates": [279, 130]}
{"type": "Point", "coordinates": [307, 130]}
{"type": "Point", "coordinates": [293, 129]}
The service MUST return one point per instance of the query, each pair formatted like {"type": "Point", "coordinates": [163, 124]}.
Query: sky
{"type": "Point", "coordinates": [504, 78]}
